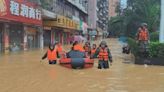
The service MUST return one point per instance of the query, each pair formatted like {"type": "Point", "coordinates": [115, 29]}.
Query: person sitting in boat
{"type": "Point", "coordinates": [51, 54]}
{"type": "Point", "coordinates": [104, 55]}
{"type": "Point", "coordinates": [77, 46]}
{"type": "Point", "coordinates": [76, 52]}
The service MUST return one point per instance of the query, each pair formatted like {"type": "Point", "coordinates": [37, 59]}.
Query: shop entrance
{"type": "Point", "coordinates": [32, 38]}
{"type": "Point", "coordinates": [1, 38]}
{"type": "Point", "coordinates": [47, 37]}
{"type": "Point", "coordinates": [16, 37]}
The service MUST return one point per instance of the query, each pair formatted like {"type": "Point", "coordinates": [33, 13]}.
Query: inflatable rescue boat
{"type": "Point", "coordinates": [76, 63]}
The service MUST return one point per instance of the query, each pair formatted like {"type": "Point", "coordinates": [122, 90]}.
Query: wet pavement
{"type": "Point", "coordinates": [23, 72]}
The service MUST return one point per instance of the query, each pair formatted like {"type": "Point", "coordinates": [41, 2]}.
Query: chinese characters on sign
{"type": "Point", "coordinates": [24, 10]}
{"type": "Point", "coordinates": [2, 8]}
{"type": "Point", "coordinates": [14, 8]}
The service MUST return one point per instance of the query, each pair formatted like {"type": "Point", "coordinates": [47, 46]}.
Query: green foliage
{"type": "Point", "coordinates": [156, 49]}
{"type": "Point", "coordinates": [115, 26]}
{"type": "Point", "coordinates": [133, 45]}
{"type": "Point", "coordinates": [137, 12]}
{"type": "Point", "coordinates": [154, 37]}
{"type": "Point", "coordinates": [153, 50]}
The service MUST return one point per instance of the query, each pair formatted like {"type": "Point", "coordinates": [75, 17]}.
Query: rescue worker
{"type": "Point", "coordinates": [93, 50]}
{"type": "Point", "coordinates": [143, 34]}
{"type": "Point", "coordinates": [59, 48]}
{"type": "Point", "coordinates": [104, 56]}
{"type": "Point", "coordinates": [51, 54]}
{"type": "Point", "coordinates": [142, 38]}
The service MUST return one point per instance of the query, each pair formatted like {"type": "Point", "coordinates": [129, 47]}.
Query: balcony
{"type": "Point", "coordinates": [78, 5]}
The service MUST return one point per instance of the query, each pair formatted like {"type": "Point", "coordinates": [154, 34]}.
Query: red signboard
{"type": "Point", "coordinates": [20, 11]}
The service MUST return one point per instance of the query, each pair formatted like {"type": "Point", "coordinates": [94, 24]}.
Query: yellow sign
{"type": "Point", "coordinates": [62, 22]}
{"type": "Point", "coordinates": [49, 23]}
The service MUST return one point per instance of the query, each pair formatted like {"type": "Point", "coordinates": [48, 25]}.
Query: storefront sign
{"type": "Point", "coordinates": [46, 28]}
{"type": "Point", "coordinates": [21, 11]}
{"type": "Point", "coordinates": [62, 22]}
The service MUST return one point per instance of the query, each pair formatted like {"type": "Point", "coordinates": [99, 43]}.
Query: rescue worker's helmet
{"type": "Point", "coordinates": [144, 25]}
{"type": "Point", "coordinates": [103, 43]}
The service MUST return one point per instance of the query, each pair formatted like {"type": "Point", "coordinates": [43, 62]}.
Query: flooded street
{"type": "Point", "coordinates": [23, 72]}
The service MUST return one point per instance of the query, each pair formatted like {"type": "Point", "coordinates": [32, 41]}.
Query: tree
{"type": "Point", "coordinates": [137, 12]}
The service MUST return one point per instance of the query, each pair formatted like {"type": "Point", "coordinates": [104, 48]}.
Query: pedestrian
{"type": "Point", "coordinates": [51, 54]}
{"type": "Point", "coordinates": [104, 56]}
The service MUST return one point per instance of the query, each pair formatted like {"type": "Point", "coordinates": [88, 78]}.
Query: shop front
{"type": "Point", "coordinates": [16, 37]}
{"type": "Point", "coordinates": [61, 28]}
{"type": "Point", "coordinates": [32, 34]}
{"type": "Point", "coordinates": [58, 35]}
{"type": "Point", "coordinates": [47, 37]}
{"type": "Point", "coordinates": [22, 25]}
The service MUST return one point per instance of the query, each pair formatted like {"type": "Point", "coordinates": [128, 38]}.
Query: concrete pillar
{"type": "Point", "coordinates": [161, 38]}
{"type": "Point", "coordinates": [25, 39]}
{"type": "Point", "coordinates": [6, 38]}
{"type": "Point", "coordinates": [62, 37]}
{"type": "Point", "coordinates": [41, 38]}
{"type": "Point", "coordinates": [52, 37]}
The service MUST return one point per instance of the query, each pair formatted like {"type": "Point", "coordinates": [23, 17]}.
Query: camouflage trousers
{"type": "Point", "coordinates": [143, 48]}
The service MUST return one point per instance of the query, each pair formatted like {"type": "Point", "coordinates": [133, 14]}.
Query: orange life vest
{"type": "Point", "coordinates": [59, 48]}
{"type": "Point", "coordinates": [93, 51]}
{"type": "Point", "coordinates": [103, 54]}
{"type": "Point", "coordinates": [78, 47]}
{"type": "Point", "coordinates": [52, 55]}
{"type": "Point", "coordinates": [143, 35]}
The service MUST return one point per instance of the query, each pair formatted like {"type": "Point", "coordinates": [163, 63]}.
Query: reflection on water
{"type": "Point", "coordinates": [25, 73]}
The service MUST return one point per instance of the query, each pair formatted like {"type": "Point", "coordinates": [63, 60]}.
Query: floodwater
{"type": "Point", "coordinates": [23, 72]}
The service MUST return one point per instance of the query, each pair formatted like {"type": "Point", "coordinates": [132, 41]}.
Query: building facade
{"type": "Point", "coordinates": [103, 16]}
{"type": "Point", "coordinates": [71, 18]}
{"type": "Point", "coordinates": [112, 7]}
{"type": "Point", "coordinates": [20, 25]}
{"type": "Point", "coordinates": [92, 19]}
{"type": "Point", "coordinates": [30, 24]}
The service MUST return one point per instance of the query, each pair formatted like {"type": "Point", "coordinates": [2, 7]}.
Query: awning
{"type": "Point", "coordinates": [48, 14]}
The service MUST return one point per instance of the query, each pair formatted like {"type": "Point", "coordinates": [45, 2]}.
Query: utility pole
{"type": "Point", "coordinates": [161, 38]}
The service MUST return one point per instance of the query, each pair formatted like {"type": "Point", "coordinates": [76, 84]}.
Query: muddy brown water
{"type": "Point", "coordinates": [25, 73]}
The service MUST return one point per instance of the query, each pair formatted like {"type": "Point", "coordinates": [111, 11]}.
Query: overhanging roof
{"type": "Point", "coordinates": [48, 14]}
